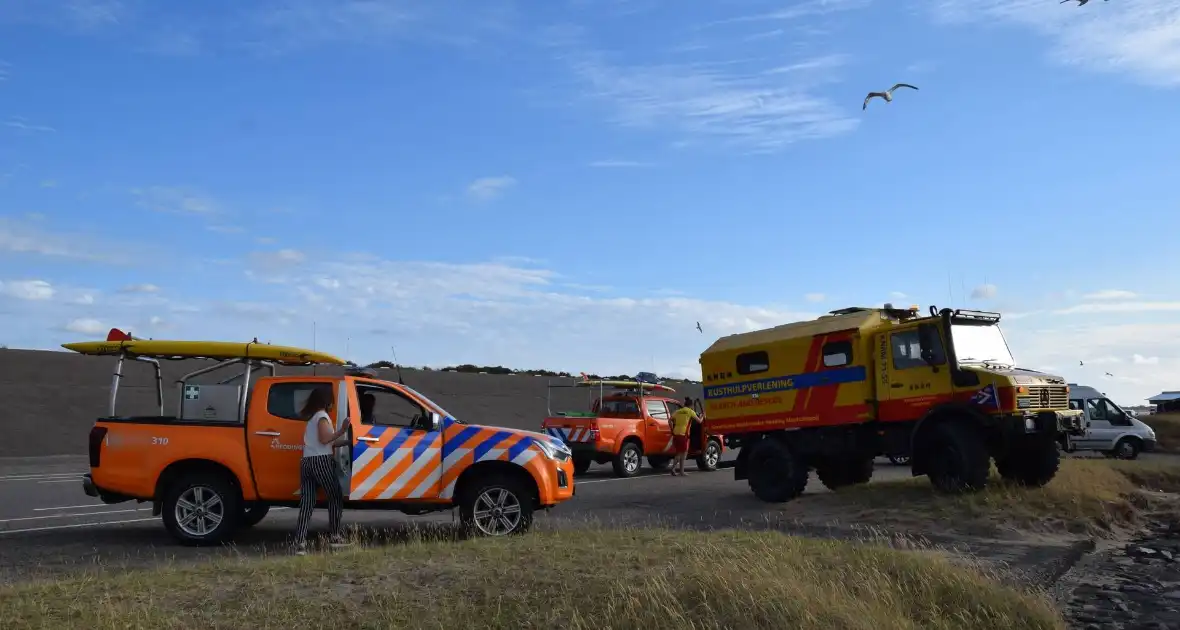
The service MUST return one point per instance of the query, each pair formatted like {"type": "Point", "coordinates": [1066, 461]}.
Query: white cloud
{"type": "Point", "coordinates": [86, 326]}
{"type": "Point", "coordinates": [1140, 38]}
{"type": "Point", "coordinates": [27, 289]}
{"type": "Point", "coordinates": [1119, 307]}
{"type": "Point", "coordinates": [756, 107]}
{"type": "Point", "coordinates": [1142, 360]}
{"type": "Point", "coordinates": [815, 297]}
{"type": "Point", "coordinates": [140, 288]}
{"type": "Point", "coordinates": [84, 299]}
{"type": "Point", "coordinates": [175, 200]}
{"type": "Point", "coordinates": [22, 124]}
{"type": "Point", "coordinates": [486, 188]}
{"type": "Point", "coordinates": [984, 292]}
{"type": "Point", "coordinates": [1110, 294]}
{"type": "Point", "coordinates": [897, 295]}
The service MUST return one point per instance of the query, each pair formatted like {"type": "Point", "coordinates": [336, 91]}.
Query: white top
{"type": "Point", "coordinates": [311, 436]}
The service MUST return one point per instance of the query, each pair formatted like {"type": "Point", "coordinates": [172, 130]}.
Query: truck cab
{"type": "Point", "coordinates": [625, 422]}
{"type": "Point", "coordinates": [1110, 430]}
{"type": "Point", "coordinates": [231, 451]}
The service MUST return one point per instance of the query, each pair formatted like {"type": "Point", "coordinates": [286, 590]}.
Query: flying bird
{"type": "Point", "coordinates": [1110, 375]}
{"type": "Point", "coordinates": [1080, 2]}
{"type": "Point", "coordinates": [887, 94]}
{"type": "Point", "coordinates": [1080, 363]}
{"type": "Point", "coordinates": [699, 327]}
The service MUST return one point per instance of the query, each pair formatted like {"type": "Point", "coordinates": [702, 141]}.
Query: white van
{"type": "Point", "coordinates": [1109, 429]}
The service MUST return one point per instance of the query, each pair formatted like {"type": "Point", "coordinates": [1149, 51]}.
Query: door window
{"type": "Point", "coordinates": [656, 409]}
{"type": "Point", "coordinates": [387, 407]}
{"type": "Point", "coordinates": [1103, 409]}
{"type": "Point", "coordinates": [907, 347]}
{"type": "Point", "coordinates": [286, 400]}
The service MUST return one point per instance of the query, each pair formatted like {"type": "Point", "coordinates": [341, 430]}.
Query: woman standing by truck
{"type": "Point", "coordinates": [319, 468]}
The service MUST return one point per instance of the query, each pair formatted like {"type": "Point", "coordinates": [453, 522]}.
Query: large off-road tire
{"type": "Point", "coordinates": [659, 462]}
{"type": "Point", "coordinates": [202, 508]}
{"type": "Point", "coordinates": [956, 457]}
{"type": "Point", "coordinates": [497, 505]}
{"type": "Point", "coordinates": [253, 514]}
{"type": "Point", "coordinates": [710, 458]}
{"type": "Point", "coordinates": [581, 465]}
{"type": "Point", "coordinates": [1031, 461]}
{"type": "Point", "coordinates": [776, 474]}
{"type": "Point", "coordinates": [839, 473]}
{"type": "Point", "coordinates": [628, 460]}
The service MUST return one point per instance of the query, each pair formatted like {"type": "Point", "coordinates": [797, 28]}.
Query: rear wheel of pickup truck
{"type": "Point", "coordinates": [626, 463]}
{"type": "Point", "coordinates": [202, 509]}
{"type": "Point", "coordinates": [956, 457]}
{"type": "Point", "coordinates": [496, 506]}
{"type": "Point", "coordinates": [776, 474]}
{"type": "Point", "coordinates": [1030, 461]}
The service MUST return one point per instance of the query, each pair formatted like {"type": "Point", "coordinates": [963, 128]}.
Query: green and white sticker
{"type": "Point", "coordinates": [192, 392]}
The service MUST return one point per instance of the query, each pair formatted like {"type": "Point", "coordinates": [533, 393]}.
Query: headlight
{"type": "Point", "coordinates": [554, 450]}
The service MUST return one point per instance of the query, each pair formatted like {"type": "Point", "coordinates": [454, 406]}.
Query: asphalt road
{"type": "Point", "coordinates": [48, 526]}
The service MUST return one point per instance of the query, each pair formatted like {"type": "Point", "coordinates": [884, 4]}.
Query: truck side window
{"type": "Point", "coordinates": [286, 400]}
{"type": "Point", "coordinates": [392, 409]}
{"type": "Point", "coordinates": [930, 334]}
{"type": "Point", "coordinates": [753, 362]}
{"type": "Point", "coordinates": [1102, 409]}
{"type": "Point", "coordinates": [1075, 404]}
{"type": "Point", "coordinates": [907, 350]}
{"type": "Point", "coordinates": [656, 409]}
{"type": "Point", "coordinates": [837, 353]}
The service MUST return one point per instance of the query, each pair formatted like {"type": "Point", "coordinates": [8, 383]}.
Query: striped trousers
{"type": "Point", "coordinates": [319, 471]}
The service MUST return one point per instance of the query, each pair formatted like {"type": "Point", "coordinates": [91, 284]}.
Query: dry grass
{"type": "Point", "coordinates": [1095, 497]}
{"type": "Point", "coordinates": [1167, 430]}
{"type": "Point", "coordinates": [592, 579]}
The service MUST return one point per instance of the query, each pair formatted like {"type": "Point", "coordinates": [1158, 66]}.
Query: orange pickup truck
{"type": "Point", "coordinates": [230, 452]}
{"type": "Point", "coordinates": [626, 424]}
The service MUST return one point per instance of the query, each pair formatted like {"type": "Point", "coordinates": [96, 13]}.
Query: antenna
{"type": "Point", "coordinates": [313, 348]}
{"type": "Point", "coordinates": [397, 365]}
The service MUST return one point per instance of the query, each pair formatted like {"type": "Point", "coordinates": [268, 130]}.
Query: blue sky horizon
{"type": "Point", "coordinates": [574, 184]}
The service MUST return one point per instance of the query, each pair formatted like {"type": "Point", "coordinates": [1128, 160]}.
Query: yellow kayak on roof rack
{"type": "Point", "coordinates": [119, 342]}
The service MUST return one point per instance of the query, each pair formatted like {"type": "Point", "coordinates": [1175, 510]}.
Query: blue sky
{"type": "Point", "coordinates": [574, 183]}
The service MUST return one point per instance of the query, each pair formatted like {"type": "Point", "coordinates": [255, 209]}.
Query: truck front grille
{"type": "Point", "coordinates": [1044, 397]}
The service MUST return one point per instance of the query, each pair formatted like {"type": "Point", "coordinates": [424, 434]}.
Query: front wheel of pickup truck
{"type": "Point", "coordinates": [497, 506]}
{"type": "Point", "coordinates": [202, 509]}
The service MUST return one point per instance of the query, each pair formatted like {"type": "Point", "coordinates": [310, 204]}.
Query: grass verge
{"type": "Point", "coordinates": [592, 579]}
{"type": "Point", "coordinates": [1096, 497]}
{"type": "Point", "coordinates": [1167, 430]}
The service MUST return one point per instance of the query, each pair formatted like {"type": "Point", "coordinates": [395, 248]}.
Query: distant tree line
{"type": "Point", "coordinates": [468, 368]}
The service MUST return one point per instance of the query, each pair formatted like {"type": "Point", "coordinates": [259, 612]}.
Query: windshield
{"type": "Point", "coordinates": [981, 344]}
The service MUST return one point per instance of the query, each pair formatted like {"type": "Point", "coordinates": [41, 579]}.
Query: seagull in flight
{"type": "Point", "coordinates": [699, 327]}
{"type": "Point", "coordinates": [1110, 375]}
{"type": "Point", "coordinates": [887, 94]}
{"type": "Point", "coordinates": [1080, 2]}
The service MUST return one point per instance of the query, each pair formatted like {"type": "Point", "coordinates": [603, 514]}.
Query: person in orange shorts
{"type": "Point", "coordinates": [682, 420]}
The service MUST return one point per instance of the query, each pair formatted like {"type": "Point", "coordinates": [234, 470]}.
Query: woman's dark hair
{"type": "Point", "coordinates": [319, 400]}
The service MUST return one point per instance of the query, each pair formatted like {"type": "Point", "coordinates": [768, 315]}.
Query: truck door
{"type": "Point", "coordinates": [397, 448]}
{"type": "Point", "coordinates": [658, 439]}
{"type": "Point", "coordinates": [276, 436]}
{"type": "Point", "coordinates": [907, 382]}
{"type": "Point", "coordinates": [1107, 423]}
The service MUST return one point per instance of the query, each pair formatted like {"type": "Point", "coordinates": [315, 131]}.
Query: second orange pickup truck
{"type": "Point", "coordinates": [626, 424]}
{"type": "Point", "coordinates": [230, 452]}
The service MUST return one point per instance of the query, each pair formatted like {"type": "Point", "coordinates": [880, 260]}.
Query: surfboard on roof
{"type": "Point", "coordinates": [118, 342]}
{"type": "Point", "coordinates": [626, 384]}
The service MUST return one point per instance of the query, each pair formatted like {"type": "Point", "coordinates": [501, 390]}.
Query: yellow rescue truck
{"type": "Point", "coordinates": [833, 393]}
